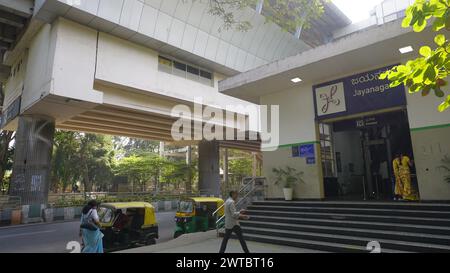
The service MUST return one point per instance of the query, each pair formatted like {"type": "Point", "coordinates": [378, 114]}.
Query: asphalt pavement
{"type": "Point", "coordinates": [54, 237]}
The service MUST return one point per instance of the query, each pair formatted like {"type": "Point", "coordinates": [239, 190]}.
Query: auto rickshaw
{"type": "Point", "coordinates": [125, 225]}
{"type": "Point", "coordinates": [196, 214]}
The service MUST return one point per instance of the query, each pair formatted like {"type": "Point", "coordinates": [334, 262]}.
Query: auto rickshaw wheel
{"type": "Point", "coordinates": [150, 241]}
{"type": "Point", "coordinates": [177, 234]}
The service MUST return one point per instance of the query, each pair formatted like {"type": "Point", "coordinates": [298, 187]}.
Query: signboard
{"type": "Point", "coordinates": [311, 161]}
{"type": "Point", "coordinates": [11, 112]}
{"type": "Point", "coordinates": [359, 93]}
{"type": "Point", "coordinates": [307, 150]}
{"type": "Point", "coordinates": [369, 121]}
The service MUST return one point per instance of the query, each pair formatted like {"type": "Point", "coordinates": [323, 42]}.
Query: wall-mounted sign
{"type": "Point", "coordinates": [370, 121]}
{"type": "Point", "coordinates": [311, 161]}
{"type": "Point", "coordinates": [360, 93]}
{"type": "Point", "coordinates": [11, 112]}
{"type": "Point", "coordinates": [295, 151]}
{"type": "Point", "coordinates": [307, 150]}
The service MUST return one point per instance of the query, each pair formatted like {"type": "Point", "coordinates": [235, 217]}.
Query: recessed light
{"type": "Point", "coordinates": [406, 49]}
{"type": "Point", "coordinates": [296, 80]}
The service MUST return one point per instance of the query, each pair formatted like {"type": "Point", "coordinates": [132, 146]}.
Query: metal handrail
{"type": "Point", "coordinates": [223, 205]}
{"type": "Point", "coordinates": [246, 196]}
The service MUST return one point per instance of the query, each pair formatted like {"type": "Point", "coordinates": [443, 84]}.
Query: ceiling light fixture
{"type": "Point", "coordinates": [296, 80]}
{"type": "Point", "coordinates": [406, 49]}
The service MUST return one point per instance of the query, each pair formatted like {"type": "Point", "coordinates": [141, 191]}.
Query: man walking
{"type": "Point", "coordinates": [232, 222]}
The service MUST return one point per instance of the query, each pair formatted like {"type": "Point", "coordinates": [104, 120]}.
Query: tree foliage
{"type": "Point", "coordinates": [288, 14]}
{"type": "Point", "coordinates": [88, 158]}
{"type": "Point", "coordinates": [430, 70]}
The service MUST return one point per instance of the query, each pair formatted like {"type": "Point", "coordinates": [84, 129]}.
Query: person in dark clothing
{"type": "Point", "coordinates": [232, 222]}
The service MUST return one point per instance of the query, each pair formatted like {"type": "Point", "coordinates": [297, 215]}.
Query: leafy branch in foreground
{"type": "Point", "coordinates": [288, 14]}
{"type": "Point", "coordinates": [430, 70]}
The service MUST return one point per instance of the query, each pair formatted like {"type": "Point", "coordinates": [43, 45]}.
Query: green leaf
{"type": "Point", "coordinates": [438, 24]}
{"type": "Point", "coordinates": [420, 25]}
{"type": "Point", "coordinates": [438, 92]}
{"type": "Point", "coordinates": [443, 106]}
{"type": "Point", "coordinates": [440, 40]}
{"type": "Point", "coordinates": [425, 51]}
{"type": "Point", "coordinates": [407, 21]}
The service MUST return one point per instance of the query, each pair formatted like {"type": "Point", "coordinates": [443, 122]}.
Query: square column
{"type": "Point", "coordinates": [32, 159]}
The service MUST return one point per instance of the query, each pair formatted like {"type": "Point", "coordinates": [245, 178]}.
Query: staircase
{"type": "Point", "coordinates": [350, 226]}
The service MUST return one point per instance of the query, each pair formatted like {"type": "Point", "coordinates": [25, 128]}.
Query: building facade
{"type": "Point", "coordinates": [341, 125]}
{"type": "Point", "coordinates": [120, 66]}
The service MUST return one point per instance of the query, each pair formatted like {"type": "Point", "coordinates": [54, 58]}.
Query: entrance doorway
{"type": "Point", "coordinates": [357, 155]}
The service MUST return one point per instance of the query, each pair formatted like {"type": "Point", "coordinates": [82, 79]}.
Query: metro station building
{"type": "Point", "coordinates": [120, 66]}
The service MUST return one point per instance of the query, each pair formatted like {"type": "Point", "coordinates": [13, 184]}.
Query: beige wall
{"type": "Point", "coordinates": [123, 63]}
{"type": "Point", "coordinates": [74, 64]}
{"type": "Point", "coordinates": [430, 131]}
{"type": "Point", "coordinates": [297, 125]}
{"type": "Point", "coordinates": [38, 77]}
{"type": "Point", "coordinates": [430, 147]}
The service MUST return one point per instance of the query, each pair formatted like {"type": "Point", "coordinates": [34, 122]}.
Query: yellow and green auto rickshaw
{"type": "Point", "coordinates": [128, 224]}
{"type": "Point", "coordinates": [196, 214]}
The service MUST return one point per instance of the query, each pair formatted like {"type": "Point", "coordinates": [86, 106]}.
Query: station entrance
{"type": "Point", "coordinates": [357, 155]}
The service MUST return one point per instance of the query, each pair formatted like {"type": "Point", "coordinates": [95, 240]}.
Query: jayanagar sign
{"type": "Point", "coordinates": [359, 93]}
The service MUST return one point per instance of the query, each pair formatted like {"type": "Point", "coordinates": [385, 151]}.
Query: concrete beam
{"type": "Point", "coordinates": [7, 33]}
{"type": "Point", "coordinates": [262, 80]}
{"type": "Point", "coordinates": [12, 19]}
{"type": "Point", "coordinates": [22, 8]}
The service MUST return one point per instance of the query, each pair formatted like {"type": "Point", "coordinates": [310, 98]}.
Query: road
{"type": "Point", "coordinates": [53, 238]}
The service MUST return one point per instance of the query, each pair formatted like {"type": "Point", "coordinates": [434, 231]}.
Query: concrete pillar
{"type": "Point", "coordinates": [254, 165]}
{"type": "Point", "coordinates": [225, 169]}
{"type": "Point", "coordinates": [188, 184]}
{"type": "Point", "coordinates": [209, 168]}
{"type": "Point", "coordinates": [32, 159]}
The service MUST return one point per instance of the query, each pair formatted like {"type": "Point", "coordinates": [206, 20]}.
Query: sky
{"type": "Point", "coordinates": [356, 10]}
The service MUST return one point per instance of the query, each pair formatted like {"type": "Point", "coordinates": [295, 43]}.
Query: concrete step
{"type": "Point", "coordinates": [364, 233]}
{"type": "Point", "coordinates": [365, 204]}
{"type": "Point", "coordinates": [353, 217]}
{"type": "Point", "coordinates": [313, 245]}
{"type": "Point", "coordinates": [425, 229]}
{"type": "Point", "coordinates": [354, 210]}
{"type": "Point", "coordinates": [350, 240]}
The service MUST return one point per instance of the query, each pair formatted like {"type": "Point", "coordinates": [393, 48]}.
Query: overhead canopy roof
{"type": "Point", "coordinates": [354, 53]}
{"type": "Point", "coordinates": [13, 19]}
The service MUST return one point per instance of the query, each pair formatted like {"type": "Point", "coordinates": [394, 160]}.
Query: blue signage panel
{"type": "Point", "coordinates": [310, 160]}
{"type": "Point", "coordinates": [357, 94]}
{"type": "Point", "coordinates": [307, 150]}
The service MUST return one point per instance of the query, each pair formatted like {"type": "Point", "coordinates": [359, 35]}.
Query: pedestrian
{"type": "Point", "coordinates": [92, 237]}
{"type": "Point", "coordinates": [402, 165]}
{"type": "Point", "coordinates": [232, 222]}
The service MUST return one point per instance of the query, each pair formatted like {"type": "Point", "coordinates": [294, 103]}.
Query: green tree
{"type": "Point", "coordinates": [288, 14]}
{"type": "Point", "coordinates": [6, 149]}
{"type": "Point", "coordinates": [140, 169]}
{"type": "Point", "coordinates": [85, 157]}
{"type": "Point", "coordinates": [428, 72]}
{"type": "Point", "coordinates": [64, 161]}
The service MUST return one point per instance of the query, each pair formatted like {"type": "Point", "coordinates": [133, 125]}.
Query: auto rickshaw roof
{"type": "Point", "coordinates": [124, 205]}
{"type": "Point", "coordinates": [206, 199]}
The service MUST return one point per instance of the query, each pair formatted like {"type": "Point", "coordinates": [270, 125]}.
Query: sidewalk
{"type": "Point", "coordinates": [207, 242]}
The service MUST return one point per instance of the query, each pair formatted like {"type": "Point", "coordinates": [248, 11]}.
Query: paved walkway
{"type": "Point", "coordinates": [207, 242]}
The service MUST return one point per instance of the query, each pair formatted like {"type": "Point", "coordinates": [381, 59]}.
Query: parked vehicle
{"type": "Point", "coordinates": [196, 214]}
{"type": "Point", "coordinates": [125, 225]}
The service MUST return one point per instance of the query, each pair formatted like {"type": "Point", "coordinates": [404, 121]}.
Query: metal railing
{"type": "Point", "coordinates": [10, 202]}
{"type": "Point", "coordinates": [55, 199]}
{"type": "Point", "coordinates": [247, 189]}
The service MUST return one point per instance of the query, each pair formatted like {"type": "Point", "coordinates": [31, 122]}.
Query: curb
{"type": "Point", "coordinates": [39, 214]}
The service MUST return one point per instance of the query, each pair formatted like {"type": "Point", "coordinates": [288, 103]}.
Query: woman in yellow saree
{"type": "Point", "coordinates": [402, 170]}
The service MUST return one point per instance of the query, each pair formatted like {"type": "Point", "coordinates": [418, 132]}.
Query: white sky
{"type": "Point", "coordinates": [356, 10]}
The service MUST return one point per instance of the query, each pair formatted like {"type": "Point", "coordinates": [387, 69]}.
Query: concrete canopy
{"type": "Point", "coordinates": [327, 62]}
